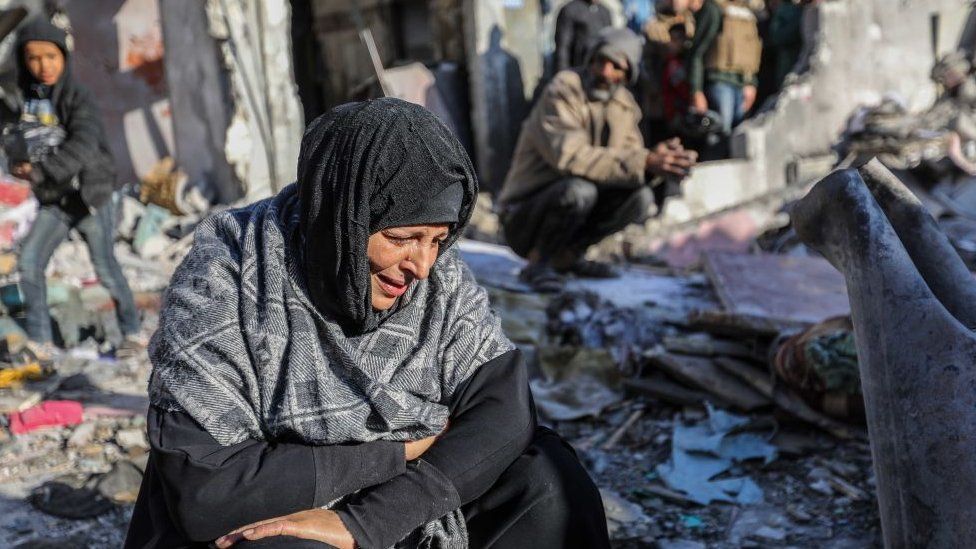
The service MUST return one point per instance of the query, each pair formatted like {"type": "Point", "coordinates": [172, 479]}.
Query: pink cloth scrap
{"type": "Point", "coordinates": [51, 413]}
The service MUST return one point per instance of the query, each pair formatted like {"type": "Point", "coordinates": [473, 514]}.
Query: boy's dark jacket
{"type": "Point", "coordinates": [85, 151]}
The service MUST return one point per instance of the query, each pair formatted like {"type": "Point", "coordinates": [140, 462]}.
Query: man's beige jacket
{"type": "Point", "coordinates": [564, 136]}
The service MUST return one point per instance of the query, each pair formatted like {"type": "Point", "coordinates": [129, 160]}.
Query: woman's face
{"type": "Point", "coordinates": [398, 256]}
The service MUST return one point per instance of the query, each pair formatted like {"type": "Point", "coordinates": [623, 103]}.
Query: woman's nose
{"type": "Point", "coordinates": [421, 260]}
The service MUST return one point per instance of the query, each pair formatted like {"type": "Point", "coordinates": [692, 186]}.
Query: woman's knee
{"type": "Point", "coordinates": [557, 478]}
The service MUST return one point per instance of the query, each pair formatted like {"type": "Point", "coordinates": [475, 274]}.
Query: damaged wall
{"type": "Point", "coordinates": [200, 98]}
{"type": "Point", "coordinates": [265, 132]}
{"type": "Point", "coordinates": [238, 122]}
{"type": "Point", "coordinates": [208, 83]}
{"type": "Point", "coordinates": [864, 50]}
{"type": "Point", "coordinates": [119, 57]}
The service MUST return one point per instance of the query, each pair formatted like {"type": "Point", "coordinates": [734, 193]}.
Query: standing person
{"type": "Point", "coordinates": [675, 90]}
{"type": "Point", "coordinates": [577, 24]}
{"type": "Point", "coordinates": [580, 171]}
{"type": "Point", "coordinates": [723, 59]}
{"type": "Point", "coordinates": [785, 38]}
{"type": "Point", "coordinates": [73, 183]}
{"type": "Point", "coordinates": [327, 368]}
{"type": "Point", "coordinates": [657, 51]}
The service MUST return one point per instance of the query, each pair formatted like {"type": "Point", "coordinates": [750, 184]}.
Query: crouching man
{"type": "Point", "coordinates": [580, 171]}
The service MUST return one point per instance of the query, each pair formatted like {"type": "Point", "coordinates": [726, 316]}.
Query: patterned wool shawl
{"type": "Point", "coordinates": [242, 350]}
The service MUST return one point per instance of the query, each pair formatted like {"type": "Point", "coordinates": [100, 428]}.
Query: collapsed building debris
{"type": "Point", "coordinates": [605, 355]}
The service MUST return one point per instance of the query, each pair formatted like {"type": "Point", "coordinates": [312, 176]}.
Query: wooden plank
{"type": "Point", "coordinates": [663, 389]}
{"type": "Point", "coordinates": [702, 344]}
{"type": "Point", "coordinates": [777, 289]}
{"type": "Point", "coordinates": [703, 374]}
{"type": "Point", "coordinates": [724, 323]}
{"type": "Point", "coordinates": [786, 399]}
{"type": "Point", "coordinates": [761, 381]}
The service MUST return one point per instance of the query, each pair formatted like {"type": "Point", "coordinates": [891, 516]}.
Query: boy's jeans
{"type": "Point", "coordinates": [50, 229]}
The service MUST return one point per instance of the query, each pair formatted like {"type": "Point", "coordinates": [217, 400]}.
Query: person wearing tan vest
{"type": "Point", "coordinates": [723, 59]}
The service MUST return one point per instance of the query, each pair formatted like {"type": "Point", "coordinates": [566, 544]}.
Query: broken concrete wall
{"type": "Point", "coordinates": [200, 98]}
{"type": "Point", "coordinates": [119, 56]}
{"type": "Point", "coordinates": [864, 50]}
{"type": "Point", "coordinates": [238, 121]}
{"type": "Point", "coordinates": [265, 132]}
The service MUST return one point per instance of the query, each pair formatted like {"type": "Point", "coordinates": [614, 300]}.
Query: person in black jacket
{"type": "Point", "coordinates": [73, 182]}
{"type": "Point", "coordinates": [577, 24]}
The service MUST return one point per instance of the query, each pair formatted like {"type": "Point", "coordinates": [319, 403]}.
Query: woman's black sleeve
{"type": "Point", "coordinates": [212, 489]}
{"type": "Point", "coordinates": [492, 423]}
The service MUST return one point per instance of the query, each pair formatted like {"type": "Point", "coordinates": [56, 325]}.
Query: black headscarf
{"type": "Point", "coordinates": [365, 167]}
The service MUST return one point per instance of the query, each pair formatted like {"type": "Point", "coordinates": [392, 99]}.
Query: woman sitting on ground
{"type": "Point", "coordinates": [326, 368]}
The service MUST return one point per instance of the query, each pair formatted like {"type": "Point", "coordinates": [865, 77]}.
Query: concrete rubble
{"type": "Point", "coordinates": [643, 373]}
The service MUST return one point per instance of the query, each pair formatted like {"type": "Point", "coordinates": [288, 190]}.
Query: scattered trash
{"type": "Point", "coordinates": [587, 320]}
{"type": "Point", "coordinates": [820, 363]}
{"type": "Point", "coordinates": [691, 521]}
{"type": "Point", "coordinates": [702, 452]}
{"type": "Point", "coordinates": [763, 522]}
{"type": "Point", "coordinates": [679, 544]}
{"type": "Point", "coordinates": [82, 435]}
{"type": "Point", "coordinates": [579, 396]}
{"type": "Point", "coordinates": [63, 500]}
{"type": "Point", "coordinates": [13, 192]}
{"type": "Point", "coordinates": [132, 438]}
{"type": "Point", "coordinates": [621, 513]}
{"type": "Point", "coordinates": [121, 484]}
{"type": "Point", "coordinates": [19, 374]}
{"type": "Point", "coordinates": [168, 187]}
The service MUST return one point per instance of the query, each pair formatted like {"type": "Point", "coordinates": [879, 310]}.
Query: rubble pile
{"type": "Point", "coordinates": [72, 434]}
{"type": "Point", "coordinates": [73, 484]}
{"type": "Point", "coordinates": [933, 151]}
{"type": "Point", "coordinates": [719, 407]}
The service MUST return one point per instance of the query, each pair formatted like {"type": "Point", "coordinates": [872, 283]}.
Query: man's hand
{"type": "Point", "coordinates": [416, 448]}
{"type": "Point", "coordinates": [670, 158]}
{"type": "Point", "coordinates": [748, 97]}
{"type": "Point", "coordinates": [22, 170]}
{"type": "Point", "coordinates": [315, 524]}
{"type": "Point", "coordinates": [699, 102]}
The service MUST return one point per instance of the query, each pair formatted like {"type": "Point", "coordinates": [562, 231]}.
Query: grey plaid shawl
{"type": "Point", "coordinates": [242, 349]}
